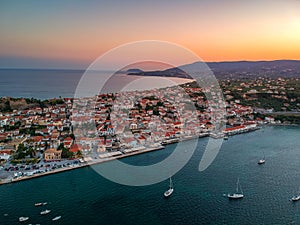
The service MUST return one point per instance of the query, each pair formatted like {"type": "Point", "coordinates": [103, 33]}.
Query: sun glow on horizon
{"type": "Point", "coordinates": [77, 35]}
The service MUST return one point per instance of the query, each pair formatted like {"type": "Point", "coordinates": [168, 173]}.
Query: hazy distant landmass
{"type": "Point", "coordinates": [236, 69]}
{"type": "Point", "coordinates": [173, 72]}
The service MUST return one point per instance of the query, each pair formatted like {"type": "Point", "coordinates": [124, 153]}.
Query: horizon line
{"type": "Point", "coordinates": [82, 69]}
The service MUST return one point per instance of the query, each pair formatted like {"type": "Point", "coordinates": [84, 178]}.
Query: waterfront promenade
{"type": "Point", "coordinates": [83, 163]}
{"type": "Point", "coordinates": [106, 157]}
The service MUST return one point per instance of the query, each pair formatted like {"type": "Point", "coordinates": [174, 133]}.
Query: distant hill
{"type": "Point", "coordinates": [236, 69]}
{"type": "Point", "coordinates": [173, 72]}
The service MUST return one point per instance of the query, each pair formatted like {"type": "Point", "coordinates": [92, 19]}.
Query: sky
{"type": "Point", "coordinates": [72, 33]}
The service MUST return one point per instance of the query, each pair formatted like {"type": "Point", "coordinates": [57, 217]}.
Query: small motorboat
{"type": "Point", "coordinates": [45, 212]}
{"type": "Point", "coordinates": [56, 218]}
{"type": "Point", "coordinates": [40, 203]}
{"type": "Point", "coordinates": [23, 218]}
{"type": "Point", "coordinates": [261, 161]}
{"type": "Point", "coordinates": [170, 190]}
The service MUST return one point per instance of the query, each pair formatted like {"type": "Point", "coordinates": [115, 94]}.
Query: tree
{"type": "Point", "coordinates": [72, 136]}
{"type": "Point", "coordinates": [30, 152]}
{"type": "Point", "coordinates": [21, 152]}
{"type": "Point", "coordinates": [65, 153]}
{"type": "Point", "coordinates": [7, 107]}
{"type": "Point", "coordinates": [79, 154]}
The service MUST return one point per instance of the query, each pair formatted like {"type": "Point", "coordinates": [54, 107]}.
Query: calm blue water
{"type": "Point", "coordinates": [84, 197]}
{"type": "Point", "coordinates": [42, 84]}
{"type": "Point", "coordinates": [46, 84]}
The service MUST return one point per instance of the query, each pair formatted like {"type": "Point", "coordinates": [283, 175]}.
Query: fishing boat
{"type": "Point", "coordinates": [45, 212]}
{"type": "Point", "coordinates": [56, 218]}
{"type": "Point", "coordinates": [23, 218]}
{"type": "Point", "coordinates": [239, 192]}
{"type": "Point", "coordinates": [170, 190]}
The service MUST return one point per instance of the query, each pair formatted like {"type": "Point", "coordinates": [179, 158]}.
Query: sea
{"type": "Point", "coordinates": [53, 83]}
{"type": "Point", "coordinates": [41, 84]}
{"type": "Point", "coordinates": [82, 196]}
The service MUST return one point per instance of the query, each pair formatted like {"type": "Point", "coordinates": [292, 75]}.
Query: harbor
{"type": "Point", "coordinates": [83, 196]}
{"type": "Point", "coordinates": [108, 156]}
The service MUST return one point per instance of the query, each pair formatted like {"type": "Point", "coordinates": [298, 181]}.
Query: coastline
{"type": "Point", "coordinates": [103, 160]}
{"type": "Point", "coordinates": [283, 124]}
{"type": "Point", "coordinates": [127, 154]}
{"type": "Point", "coordinates": [81, 165]}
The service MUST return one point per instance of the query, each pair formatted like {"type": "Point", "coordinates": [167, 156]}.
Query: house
{"type": "Point", "coordinates": [75, 148]}
{"type": "Point", "coordinates": [52, 154]}
{"type": "Point", "coordinates": [68, 142]}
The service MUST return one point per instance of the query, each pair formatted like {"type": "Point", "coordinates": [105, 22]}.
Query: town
{"type": "Point", "coordinates": [66, 133]}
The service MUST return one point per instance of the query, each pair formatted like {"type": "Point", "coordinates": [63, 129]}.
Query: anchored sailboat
{"type": "Point", "coordinates": [170, 190]}
{"type": "Point", "coordinates": [239, 192]}
{"type": "Point", "coordinates": [295, 198]}
{"type": "Point", "coordinates": [262, 161]}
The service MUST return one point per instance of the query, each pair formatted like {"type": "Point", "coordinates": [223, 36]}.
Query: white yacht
{"type": "Point", "coordinates": [40, 203]}
{"type": "Point", "coordinates": [262, 161]}
{"type": "Point", "coordinates": [23, 218]}
{"type": "Point", "coordinates": [56, 218]}
{"type": "Point", "coordinates": [295, 198]}
{"type": "Point", "coordinates": [170, 190]}
{"type": "Point", "coordinates": [45, 212]}
{"type": "Point", "coordinates": [239, 193]}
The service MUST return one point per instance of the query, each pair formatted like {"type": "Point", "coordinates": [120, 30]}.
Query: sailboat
{"type": "Point", "coordinates": [170, 190]}
{"type": "Point", "coordinates": [238, 194]}
{"type": "Point", "coordinates": [262, 161]}
{"type": "Point", "coordinates": [295, 198]}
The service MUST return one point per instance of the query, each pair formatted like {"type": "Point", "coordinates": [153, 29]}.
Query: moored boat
{"type": "Point", "coordinates": [45, 212]}
{"type": "Point", "coordinates": [239, 193]}
{"type": "Point", "coordinates": [263, 160]}
{"type": "Point", "coordinates": [23, 218]}
{"type": "Point", "coordinates": [56, 218]}
{"type": "Point", "coordinates": [235, 196]}
{"type": "Point", "coordinates": [40, 203]}
{"type": "Point", "coordinates": [295, 198]}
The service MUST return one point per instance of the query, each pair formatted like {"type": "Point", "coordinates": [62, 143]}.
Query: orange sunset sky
{"type": "Point", "coordinates": [72, 34]}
